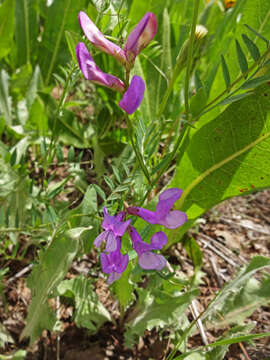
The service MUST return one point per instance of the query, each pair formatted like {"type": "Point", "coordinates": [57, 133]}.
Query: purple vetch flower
{"type": "Point", "coordinates": [133, 96]}
{"type": "Point", "coordinates": [147, 259]}
{"type": "Point", "coordinates": [98, 40]}
{"type": "Point", "coordinates": [114, 227]}
{"type": "Point", "coordinates": [163, 215]}
{"type": "Point", "coordinates": [114, 263]}
{"type": "Point", "coordinates": [140, 37]}
{"type": "Point", "coordinates": [92, 72]}
{"type": "Point", "coordinates": [137, 40]}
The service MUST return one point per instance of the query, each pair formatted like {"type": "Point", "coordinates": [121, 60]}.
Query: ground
{"type": "Point", "coordinates": [229, 235]}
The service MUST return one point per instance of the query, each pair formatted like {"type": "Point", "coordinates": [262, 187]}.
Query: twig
{"type": "Point", "coordinates": [229, 261]}
{"type": "Point", "coordinates": [246, 226]}
{"type": "Point", "coordinates": [244, 351]}
{"type": "Point", "coordinates": [19, 274]}
{"type": "Point", "coordinates": [58, 316]}
{"type": "Point", "coordinates": [199, 324]}
{"type": "Point", "coordinates": [223, 248]}
{"type": "Point", "coordinates": [214, 267]}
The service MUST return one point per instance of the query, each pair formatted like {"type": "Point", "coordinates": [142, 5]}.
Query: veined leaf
{"type": "Point", "coordinates": [61, 15]}
{"type": "Point", "coordinates": [241, 57]}
{"type": "Point", "coordinates": [225, 71]}
{"type": "Point", "coordinates": [252, 47]}
{"type": "Point", "coordinates": [232, 159]}
{"type": "Point", "coordinates": [7, 10]}
{"type": "Point", "coordinates": [26, 31]}
{"type": "Point", "coordinates": [89, 312]}
{"type": "Point", "coordinates": [53, 265]}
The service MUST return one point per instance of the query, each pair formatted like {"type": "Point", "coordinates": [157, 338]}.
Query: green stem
{"type": "Point", "coordinates": [136, 150]}
{"type": "Point", "coordinates": [190, 52]}
{"type": "Point", "coordinates": [240, 77]}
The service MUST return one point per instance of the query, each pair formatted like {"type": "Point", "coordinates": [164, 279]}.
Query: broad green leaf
{"type": "Point", "coordinates": [38, 120]}
{"type": "Point", "coordinates": [52, 268]}
{"type": "Point", "coordinates": [225, 157]}
{"type": "Point", "coordinates": [156, 309]}
{"type": "Point", "coordinates": [89, 312]}
{"type": "Point", "coordinates": [26, 30]}
{"type": "Point", "coordinates": [233, 293]}
{"type": "Point", "coordinates": [124, 289]}
{"type": "Point", "coordinates": [7, 10]}
{"type": "Point", "coordinates": [60, 16]}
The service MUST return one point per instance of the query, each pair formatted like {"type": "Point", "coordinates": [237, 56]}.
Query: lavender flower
{"type": "Point", "coordinates": [147, 259]}
{"type": "Point", "coordinates": [163, 215]}
{"type": "Point", "coordinates": [133, 96]}
{"type": "Point", "coordinates": [114, 263]}
{"type": "Point", "coordinates": [92, 72]}
{"type": "Point", "coordinates": [114, 227]}
{"type": "Point", "coordinates": [138, 39]}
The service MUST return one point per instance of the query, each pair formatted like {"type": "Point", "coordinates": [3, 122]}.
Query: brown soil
{"type": "Point", "coordinates": [230, 235]}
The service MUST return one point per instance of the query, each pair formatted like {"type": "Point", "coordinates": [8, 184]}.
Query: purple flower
{"type": "Point", "coordinates": [92, 72]}
{"type": "Point", "coordinates": [163, 215]}
{"type": "Point", "coordinates": [137, 40]}
{"type": "Point", "coordinates": [133, 96]}
{"type": "Point", "coordinates": [147, 259]}
{"type": "Point", "coordinates": [114, 227]}
{"type": "Point", "coordinates": [98, 40]}
{"type": "Point", "coordinates": [140, 37]}
{"type": "Point", "coordinates": [114, 263]}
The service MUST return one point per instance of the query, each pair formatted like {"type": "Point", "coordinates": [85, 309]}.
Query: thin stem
{"type": "Point", "coordinates": [136, 150]}
{"type": "Point", "coordinates": [240, 77]}
{"type": "Point", "coordinates": [190, 52]}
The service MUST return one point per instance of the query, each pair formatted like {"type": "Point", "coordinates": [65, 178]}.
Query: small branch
{"type": "Point", "coordinates": [19, 274]}
{"type": "Point", "coordinates": [195, 314]}
{"type": "Point", "coordinates": [229, 261]}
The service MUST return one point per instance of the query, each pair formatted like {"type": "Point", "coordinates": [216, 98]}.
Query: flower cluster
{"type": "Point", "coordinates": [113, 262]}
{"type": "Point", "coordinates": [137, 40]}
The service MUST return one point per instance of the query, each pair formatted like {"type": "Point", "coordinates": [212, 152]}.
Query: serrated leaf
{"type": "Point", "coordinates": [241, 58]}
{"type": "Point", "coordinates": [53, 265]}
{"type": "Point", "coordinates": [232, 291]}
{"type": "Point", "coordinates": [225, 71]}
{"type": "Point", "coordinates": [252, 47]}
{"type": "Point", "coordinates": [89, 312]}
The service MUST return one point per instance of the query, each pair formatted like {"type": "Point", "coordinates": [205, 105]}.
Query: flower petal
{"type": "Point", "coordinates": [132, 98]}
{"type": "Point", "coordinates": [105, 263]}
{"type": "Point", "coordinates": [140, 37]}
{"type": "Point", "coordinates": [100, 238]}
{"type": "Point", "coordinates": [92, 72]}
{"type": "Point", "coordinates": [111, 243]}
{"type": "Point", "coordinates": [151, 261]}
{"type": "Point", "coordinates": [121, 267]}
{"type": "Point", "coordinates": [98, 40]}
{"type": "Point", "coordinates": [158, 240]}
{"type": "Point", "coordinates": [166, 202]}
{"type": "Point", "coordinates": [174, 219]}
{"type": "Point", "coordinates": [145, 214]}
{"type": "Point", "coordinates": [113, 277]}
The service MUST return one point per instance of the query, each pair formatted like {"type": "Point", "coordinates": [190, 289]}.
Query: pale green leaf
{"type": "Point", "coordinates": [7, 10]}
